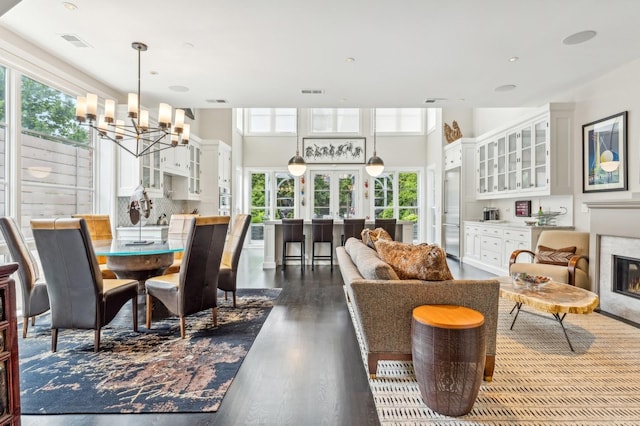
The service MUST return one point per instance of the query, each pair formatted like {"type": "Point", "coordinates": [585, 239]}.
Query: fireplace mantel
{"type": "Point", "coordinates": [614, 204]}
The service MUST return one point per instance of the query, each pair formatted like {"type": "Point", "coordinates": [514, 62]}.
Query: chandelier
{"type": "Point", "coordinates": [136, 136]}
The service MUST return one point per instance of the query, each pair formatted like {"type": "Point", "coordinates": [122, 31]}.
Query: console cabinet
{"type": "Point", "coordinates": [531, 158]}
{"type": "Point", "coordinates": [488, 246]}
{"type": "Point", "coordinates": [9, 365]}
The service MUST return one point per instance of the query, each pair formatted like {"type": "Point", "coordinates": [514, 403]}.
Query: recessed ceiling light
{"type": "Point", "coordinates": [179, 88]}
{"type": "Point", "coordinates": [152, 72]}
{"type": "Point", "coordinates": [69, 6]}
{"type": "Point", "coordinates": [343, 99]}
{"type": "Point", "coordinates": [505, 88]}
{"type": "Point", "coordinates": [580, 37]}
{"type": "Point", "coordinates": [350, 59]}
{"type": "Point", "coordinates": [514, 59]}
{"type": "Point", "coordinates": [188, 45]}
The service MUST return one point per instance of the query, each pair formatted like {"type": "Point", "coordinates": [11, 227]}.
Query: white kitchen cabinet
{"type": "Point", "coordinates": [472, 242]}
{"type": "Point", "coordinates": [145, 170]}
{"type": "Point", "coordinates": [453, 155]}
{"type": "Point", "coordinates": [532, 157]}
{"type": "Point", "coordinates": [189, 187]}
{"type": "Point", "coordinates": [175, 161]}
{"type": "Point", "coordinates": [224, 165]}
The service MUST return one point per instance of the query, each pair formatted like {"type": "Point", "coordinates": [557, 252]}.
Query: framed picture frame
{"type": "Point", "coordinates": [604, 154]}
{"type": "Point", "coordinates": [334, 150]}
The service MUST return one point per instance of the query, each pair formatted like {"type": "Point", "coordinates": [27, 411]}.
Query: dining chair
{"type": "Point", "coordinates": [99, 226]}
{"type": "Point", "coordinates": [388, 225]}
{"type": "Point", "coordinates": [321, 232]}
{"type": "Point", "coordinates": [351, 228]}
{"type": "Point", "coordinates": [35, 297]}
{"type": "Point", "coordinates": [292, 232]}
{"type": "Point", "coordinates": [231, 255]}
{"type": "Point", "coordinates": [195, 287]}
{"type": "Point", "coordinates": [80, 297]}
{"type": "Point", "coordinates": [178, 228]}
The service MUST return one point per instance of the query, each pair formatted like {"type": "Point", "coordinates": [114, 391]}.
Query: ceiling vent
{"type": "Point", "coordinates": [75, 40]}
{"type": "Point", "coordinates": [217, 101]}
{"type": "Point", "coordinates": [312, 91]}
{"type": "Point", "coordinates": [434, 100]}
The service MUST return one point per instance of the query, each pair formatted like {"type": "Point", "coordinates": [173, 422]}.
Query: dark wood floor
{"type": "Point", "coordinates": [304, 367]}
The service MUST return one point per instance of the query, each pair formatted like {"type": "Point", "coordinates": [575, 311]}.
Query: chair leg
{"type": "Point", "coordinates": [134, 303]}
{"type": "Point", "coordinates": [284, 255]}
{"type": "Point", "coordinates": [331, 255]}
{"type": "Point", "coordinates": [214, 312]}
{"type": "Point", "coordinates": [33, 321]}
{"type": "Point", "coordinates": [234, 298]}
{"type": "Point", "coordinates": [182, 327]}
{"type": "Point", "coordinates": [225, 295]}
{"type": "Point", "coordinates": [149, 309]}
{"type": "Point", "coordinates": [96, 340]}
{"type": "Point", "coordinates": [54, 339]}
{"type": "Point", "coordinates": [313, 254]}
{"type": "Point", "coordinates": [25, 326]}
{"type": "Point", "coordinates": [302, 256]}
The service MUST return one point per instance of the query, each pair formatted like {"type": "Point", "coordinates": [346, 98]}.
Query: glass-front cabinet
{"type": "Point", "coordinates": [145, 170]}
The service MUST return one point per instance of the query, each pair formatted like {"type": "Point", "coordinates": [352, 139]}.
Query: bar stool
{"type": "Point", "coordinates": [322, 232]}
{"type": "Point", "coordinates": [352, 228]}
{"type": "Point", "coordinates": [388, 225]}
{"type": "Point", "coordinates": [292, 232]}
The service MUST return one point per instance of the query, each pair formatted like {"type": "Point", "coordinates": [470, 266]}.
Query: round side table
{"type": "Point", "coordinates": [448, 348]}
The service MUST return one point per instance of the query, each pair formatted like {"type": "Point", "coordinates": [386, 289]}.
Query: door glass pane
{"type": "Point", "coordinates": [322, 195]}
{"type": "Point", "coordinates": [259, 204]}
{"type": "Point", "coordinates": [408, 200]}
{"type": "Point", "coordinates": [346, 196]}
{"type": "Point", "coordinates": [285, 194]}
{"type": "Point", "coordinates": [383, 196]}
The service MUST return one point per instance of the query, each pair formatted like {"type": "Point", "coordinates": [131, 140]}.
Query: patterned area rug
{"type": "Point", "coordinates": [149, 371]}
{"type": "Point", "coordinates": [537, 379]}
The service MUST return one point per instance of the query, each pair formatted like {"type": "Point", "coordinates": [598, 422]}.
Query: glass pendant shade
{"type": "Point", "coordinates": [296, 165]}
{"type": "Point", "coordinates": [375, 166]}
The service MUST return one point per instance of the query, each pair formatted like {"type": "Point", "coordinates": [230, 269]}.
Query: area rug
{"type": "Point", "coordinates": [537, 379]}
{"type": "Point", "coordinates": [149, 371]}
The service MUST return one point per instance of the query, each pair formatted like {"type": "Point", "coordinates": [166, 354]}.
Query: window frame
{"type": "Point", "coordinates": [334, 119]}
{"type": "Point", "coordinates": [398, 118]}
{"type": "Point", "coordinates": [273, 118]}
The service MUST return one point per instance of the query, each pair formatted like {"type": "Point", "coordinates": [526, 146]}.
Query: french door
{"type": "Point", "coordinates": [335, 194]}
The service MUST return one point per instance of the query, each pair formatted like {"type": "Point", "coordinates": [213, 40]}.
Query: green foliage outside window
{"type": "Point", "coordinates": [49, 111]}
{"type": "Point", "coordinates": [258, 197]}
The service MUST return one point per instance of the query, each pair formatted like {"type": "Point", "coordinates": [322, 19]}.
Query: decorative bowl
{"type": "Point", "coordinates": [532, 281]}
{"type": "Point", "coordinates": [531, 222]}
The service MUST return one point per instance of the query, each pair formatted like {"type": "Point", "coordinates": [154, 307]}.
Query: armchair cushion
{"type": "Point", "coordinates": [422, 261]}
{"type": "Point", "coordinates": [552, 256]}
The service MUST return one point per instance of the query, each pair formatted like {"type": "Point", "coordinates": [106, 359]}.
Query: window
{"type": "Point", "coordinates": [395, 194]}
{"type": "Point", "coordinates": [269, 189]}
{"type": "Point", "coordinates": [400, 120]}
{"type": "Point", "coordinates": [271, 120]}
{"type": "Point", "coordinates": [56, 156]}
{"type": "Point", "coordinates": [3, 144]}
{"type": "Point", "coordinates": [335, 120]}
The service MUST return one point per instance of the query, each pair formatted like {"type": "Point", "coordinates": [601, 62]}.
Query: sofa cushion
{"type": "Point", "coordinates": [369, 264]}
{"type": "Point", "coordinates": [370, 236]}
{"type": "Point", "coordinates": [552, 256]}
{"type": "Point", "coordinates": [421, 261]}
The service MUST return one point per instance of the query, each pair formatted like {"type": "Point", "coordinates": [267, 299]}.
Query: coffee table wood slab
{"type": "Point", "coordinates": [552, 297]}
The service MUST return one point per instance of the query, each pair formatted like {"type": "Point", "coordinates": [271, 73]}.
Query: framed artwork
{"type": "Point", "coordinates": [604, 154]}
{"type": "Point", "coordinates": [334, 150]}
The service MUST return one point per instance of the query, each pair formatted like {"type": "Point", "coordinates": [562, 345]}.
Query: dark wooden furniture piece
{"type": "Point", "coordinates": [448, 348]}
{"type": "Point", "coordinates": [9, 365]}
{"type": "Point", "coordinates": [292, 232]}
{"type": "Point", "coordinates": [388, 225]}
{"type": "Point", "coordinates": [352, 228]}
{"type": "Point", "coordinates": [321, 232]}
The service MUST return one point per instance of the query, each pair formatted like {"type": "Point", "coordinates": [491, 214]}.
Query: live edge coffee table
{"type": "Point", "coordinates": [558, 299]}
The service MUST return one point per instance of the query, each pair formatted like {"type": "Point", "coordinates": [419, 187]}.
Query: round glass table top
{"type": "Point", "coordinates": [132, 248]}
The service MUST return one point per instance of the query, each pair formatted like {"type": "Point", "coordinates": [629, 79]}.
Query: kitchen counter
{"type": "Point", "coordinates": [517, 224]}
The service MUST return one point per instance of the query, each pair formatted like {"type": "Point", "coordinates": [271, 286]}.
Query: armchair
{"type": "Point", "coordinates": [178, 228]}
{"type": "Point", "coordinates": [80, 297]}
{"type": "Point", "coordinates": [561, 255]}
{"type": "Point", "coordinates": [99, 226]}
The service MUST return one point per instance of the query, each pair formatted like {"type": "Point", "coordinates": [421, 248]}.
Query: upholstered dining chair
{"type": "Point", "coordinates": [195, 287]}
{"type": "Point", "coordinates": [35, 297]}
{"type": "Point", "coordinates": [80, 297]}
{"type": "Point", "coordinates": [560, 254]}
{"type": "Point", "coordinates": [99, 226]}
{"type": "Point", "coordinates": [389, 225]}
{"type": "Point", "coordinates": [178, 228]}
{"type": "Point", "coordinates": [231, 255]}
{"type": "Point", "coordinates": [351, 228]}
{"type": "Point", "coordinates": [292, 232]}
{"type": "Point", "coordinates": [321, 232]}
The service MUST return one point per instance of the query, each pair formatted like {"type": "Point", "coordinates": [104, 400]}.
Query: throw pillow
{"type": "Point", "coordinates": [370, 236]}
{"type": "Point", "coordinates": [552, 256]}
{"type": "Point", "coordinates": [423, 261]}
{"type": "Point", "coordinates": [369, 264]}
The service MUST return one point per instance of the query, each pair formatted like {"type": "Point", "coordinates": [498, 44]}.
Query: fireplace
{"type": "Point", "coordinates": [626, 275]}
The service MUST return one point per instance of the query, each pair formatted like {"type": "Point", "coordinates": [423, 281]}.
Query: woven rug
{"type": "Point", "coordinates": [537, 379]}
{"type": "Point", "coordinates": [149, 371]}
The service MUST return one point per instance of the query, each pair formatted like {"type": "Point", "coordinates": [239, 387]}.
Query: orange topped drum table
{"type": "Point", "coordinates": [448, 348]}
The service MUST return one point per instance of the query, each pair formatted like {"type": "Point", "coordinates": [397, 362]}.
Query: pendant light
{"type": "Point", "coordinates": [297, 166]}
{"type": "Point", "coordinates": [375, 165]}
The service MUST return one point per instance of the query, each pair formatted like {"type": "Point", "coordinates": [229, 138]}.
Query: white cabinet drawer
{"type": "Point", "coordinates": [517, 234]}
{"type": "Point", "coordinates": [491, 258]}
{"type": "Point", "coordinates": [494, 232]}
{"type": "Point", "coordinates": [492, 244]}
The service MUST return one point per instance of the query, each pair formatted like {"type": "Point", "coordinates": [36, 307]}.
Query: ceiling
{"type": "Point", "coordinates": [258, 53]}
